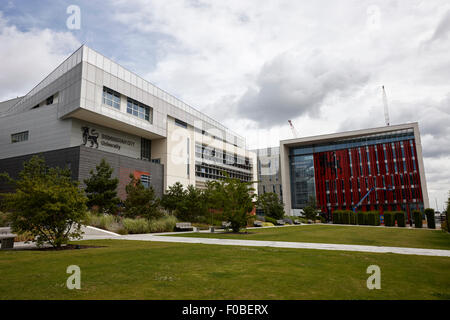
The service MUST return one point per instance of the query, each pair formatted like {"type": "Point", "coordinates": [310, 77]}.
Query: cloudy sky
{"type": "Point", "coordinates": [253, 65]}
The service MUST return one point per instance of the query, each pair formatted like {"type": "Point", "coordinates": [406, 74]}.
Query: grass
{"type": "Point", "coordinates": [373, 236]}
{"type": "Point", "coordinates": [155, 270]}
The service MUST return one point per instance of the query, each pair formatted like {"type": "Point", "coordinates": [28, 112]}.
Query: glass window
{"type": "Point", "coordinates": [145, 180]}
{"type": "Point", "coordinates": [139, 110]}
{"type": "Point", "coordinates": [111, 98]}
{"type": "Point", "coordinates": [19, 137]}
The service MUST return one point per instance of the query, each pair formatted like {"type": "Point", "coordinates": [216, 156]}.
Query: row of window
{"type": "Point", "coordinates": [208, 171]}
{"type": "Point", "coordinates": [135, 108]}
{"type": "Point", "coordinates": [221, 157]}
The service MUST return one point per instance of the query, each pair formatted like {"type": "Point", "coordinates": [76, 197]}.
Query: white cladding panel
{"type": "Point", "coordinates": [45, 132]}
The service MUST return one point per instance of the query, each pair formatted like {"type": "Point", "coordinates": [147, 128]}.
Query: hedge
{"type": "Point", "coordinates": [417, 215]}
{"type": "Point", "coordinates": [372, 218]}
{"type": "Point", "coordinates": [431, 224]}
{"type": "Point", "coordinates": [389, 219]}
{"type": "Point", "coordinates": [401, 218]}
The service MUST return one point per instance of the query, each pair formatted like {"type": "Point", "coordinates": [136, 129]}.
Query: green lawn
{"type": "Point", "coordinates": [154, 270]}
{"type": "Point", "coordinates": [373, 236]}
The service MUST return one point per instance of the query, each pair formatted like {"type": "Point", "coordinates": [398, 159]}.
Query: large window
{"type": "Point", "coordinates": [19, 137]}
{"type": "Point", "coordinates": [139, 110]}
{"type": "Point", "coordinates": [111, 98]}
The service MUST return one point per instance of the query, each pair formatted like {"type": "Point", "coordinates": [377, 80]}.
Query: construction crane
{"type": "Point", "coordinates": [386, 110]}
{"type": "Point", "coordinates": [388, 188]}
{"type": "Point", "coordinates": [294, 131]}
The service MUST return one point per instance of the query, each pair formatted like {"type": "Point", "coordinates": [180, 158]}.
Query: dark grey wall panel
{"type": "Point", "coordinates": [57, 158]}
{"type": "Point", "coordinates": [123, 166]}
{"type": "Point", "coordinates": [81, 160]}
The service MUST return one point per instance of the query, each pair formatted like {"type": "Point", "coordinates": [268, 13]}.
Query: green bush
{"type": "Point", "coordinates": [141, 225]}
{"type": "Point", "coordinates": [337, 217]}
{"type": "Point", "coordinates": [401, 218]}
{"type": "Point", "coordinates": [389, 219]}
{"type": "Point", "coordinates": [372, 218]}
{"type": "Point", "coordinates": [345, 217]}
{"type": "Point", "coordinates": [270, 219]}
{"type": "Point", "coordinates": [361, 217]}
{"type": "Point", "coordinates": [431, 224]}
{"type": "Point", "coordinates": [102, 221]}
{"type": "Point", "coordinates": [417, 216]}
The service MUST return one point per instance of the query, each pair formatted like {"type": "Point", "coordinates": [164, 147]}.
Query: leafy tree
{"type": "Point", "coordinates": [141, 201]}
{"type": "Point", "coordinates": [192, 206]}
{"type": "Point", "coordinates": [101, 189]}
{"type": "Point", "coordinates": [310, 211]}
{"type": "Point", "coordinates": [235, 199]}
{"type": "Point", "coordinates": [271, 204]}
{"type": "Point", "coordinates": [173, 197]}
{"type": "Point", "coordinates": [47, 203]}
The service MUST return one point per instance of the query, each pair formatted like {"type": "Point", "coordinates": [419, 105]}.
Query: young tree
{"type": "Point", "coordinates": [101, 189]}
{"type": "Point", "coordinates": [235, 199]}
{"type": "Point", "coordinates": [47, 203]}
{"type": "Point", "coordinates": [310, 211]}
{"type": "Point", "coordinates": [192, 206]}
{"type": "Point", "coordinates": [141, 201]}
{"type": "Point", "coordinates": [271, 204]}
{"type": "Point", "coordinates": [173, 197]}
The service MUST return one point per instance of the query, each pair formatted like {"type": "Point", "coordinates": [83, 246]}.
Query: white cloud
{"type": "Point", "coordinates": [28, 56]}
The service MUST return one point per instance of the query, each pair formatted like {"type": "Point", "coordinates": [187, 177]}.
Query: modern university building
{"type": "Point", "coordinates": [91, 108]}
{"type": "Point", "coordinates": [340, 169]}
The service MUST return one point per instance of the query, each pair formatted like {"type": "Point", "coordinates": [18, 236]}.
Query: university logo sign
{"type": "Point", "coordinates": [95, 138]}
{"type": "Point", "coordinates": [90, 135]}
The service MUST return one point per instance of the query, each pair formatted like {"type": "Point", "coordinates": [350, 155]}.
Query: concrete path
{"type": "Point", "coordinates": [292, 245]}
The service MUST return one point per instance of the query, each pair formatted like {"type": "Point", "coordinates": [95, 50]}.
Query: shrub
{"type": "Point", "coordinates": [337, 217]}
{"type": "Point", "coordinates": [372, 218]}
{"type": "Point", "coordinates": [389, 219]}
{"type": "Point", "coordinates": [431, 224]}
{"type": "Point", "coordinates": [268, 224]}
{"type": "Point", "coordinates": [401, 218]}
{"type": "Point", "coordinates": [270, 219]}
{"type": "Point", "coordinates": [361, 218]}
{"type": "Point", "coordinates": [136, 226]}
{"type": "Point", "coordinates": [345, 217]}
{"type": "Point", "coordinates": [353, 218]}
{"type": "Point", "coordinates": [417, 215]}
{"type": "Point", "coordinates": [102, 221]}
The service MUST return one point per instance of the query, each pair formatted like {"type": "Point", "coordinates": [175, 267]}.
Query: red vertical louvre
{"type": "Point", "coordinates": [364, 160]}
{"type": "Point", "coordinates": [372, 195]}
{"type": "Point", "coordinates": [355, 163]}
{"type": "Point", "coordinates": [381, 159]}
{"type": "Point", "coordinates": [408, 156]}
{"type": "Point", "coordinates": [399, 157]}
{"type": "Point", "coordinates": [380, 193]}
{"type": "Point", "coordinates": [390, 158]}
{"type": "Point", "coordinates": [373, 160]}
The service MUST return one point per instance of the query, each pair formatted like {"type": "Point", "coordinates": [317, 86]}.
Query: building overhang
{"type": "Point", "coordinates": [103, 120]}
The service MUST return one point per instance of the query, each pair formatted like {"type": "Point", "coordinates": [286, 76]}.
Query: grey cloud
{"type": "Point", "coordinates": [295, 84]}
{"type": "Point", "coordinates": [442, 30]}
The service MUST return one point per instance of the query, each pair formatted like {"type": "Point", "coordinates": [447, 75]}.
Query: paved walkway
{"type": "Point", "coordinates": [293, 245]}
{"type": "Point", "coordinates": [91, 233]}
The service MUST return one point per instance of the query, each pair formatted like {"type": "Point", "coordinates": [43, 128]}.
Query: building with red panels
{"type": "Point", "coordinates": [340, 169]}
